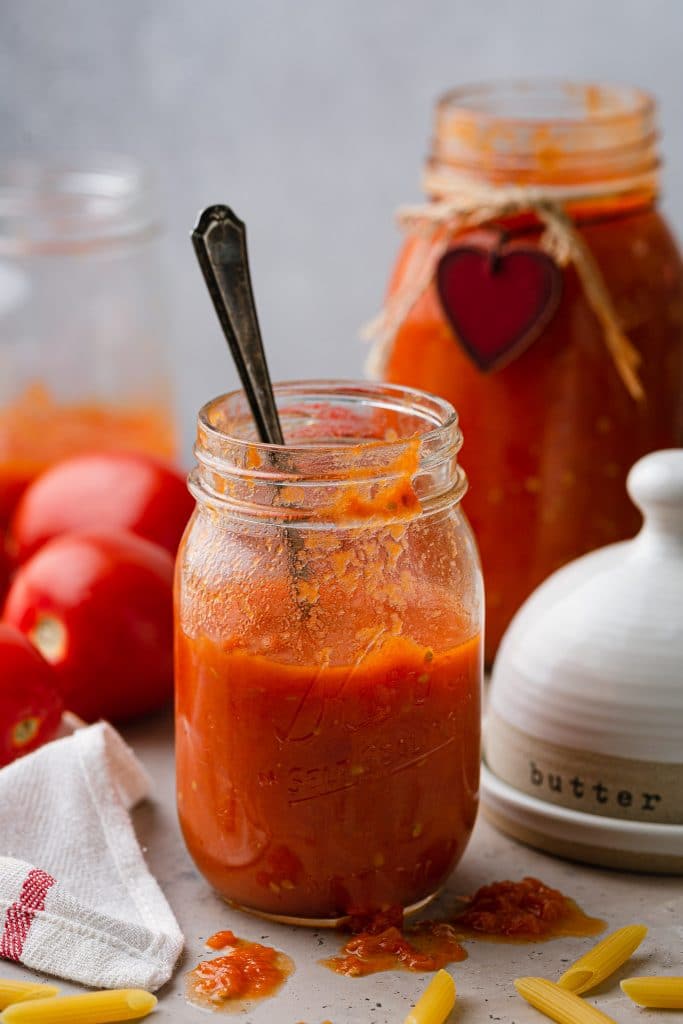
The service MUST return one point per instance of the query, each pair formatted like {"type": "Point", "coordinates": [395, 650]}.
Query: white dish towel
{"type": "Point", "coordinates": [76, 897]}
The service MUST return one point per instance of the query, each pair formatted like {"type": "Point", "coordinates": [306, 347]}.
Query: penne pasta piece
{"type": "Point", "coordinates": [436, 1002]}
{"type": "Point", "coordinates": [559, 1004]}
{"type": "Point", "coordinates": [91, 1008]}
{"type": "Point", "coordinates": [659, 993]}
{"type": "Point", "coordinates": [602, 960]}
{"type": "Point", "coordinates": [18, 991]}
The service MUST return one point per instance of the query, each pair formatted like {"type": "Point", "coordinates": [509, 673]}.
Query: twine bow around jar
{"type": "Point", "coordinates": [465, 203]}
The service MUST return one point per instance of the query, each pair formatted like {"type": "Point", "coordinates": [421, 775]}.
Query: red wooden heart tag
{"type": "Point", "coordinates": [498, 296]}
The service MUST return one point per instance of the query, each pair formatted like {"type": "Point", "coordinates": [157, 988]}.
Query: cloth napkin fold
{"type": "Point", "coordinates": [76, 897]}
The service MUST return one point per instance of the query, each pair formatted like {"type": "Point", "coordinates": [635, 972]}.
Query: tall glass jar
{"type": "Point", "coordinates": [83, 360]}
{"type": "Point", "coordinates": [328, 656]}
{"type": "Point", "coordinates": [553, 431]}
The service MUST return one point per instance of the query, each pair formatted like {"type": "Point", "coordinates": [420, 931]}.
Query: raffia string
{"type": "Point", "coordinates": [467, 204]}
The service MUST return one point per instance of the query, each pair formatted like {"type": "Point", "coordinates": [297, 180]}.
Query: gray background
{"type": "Point", "coordinates": [311, 118]}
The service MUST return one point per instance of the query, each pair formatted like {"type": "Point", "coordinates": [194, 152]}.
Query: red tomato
{"type": "Point", "coordinates": [98, 606]}
{"type": "Point", "coordinates": [5, 568]}
{"type": "Point", "coordinates": [11, 489]}
{"type": "Point", "coordinates": [102, 491]}
{"type": "Point", "coordinates": [30, 702]}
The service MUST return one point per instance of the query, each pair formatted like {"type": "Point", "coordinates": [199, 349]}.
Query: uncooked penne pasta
{"type": "Point", "coordinates": [436, 1002]}
{"type": "Point", "coordinates": [659, 993]}
{"type": "Point", "coordinates": [559, 1004]}
{"type": "Point", "coordinates": [602, 960]}
{"type": "Point", "coordinates": [17, 991]}
{"type": "Point", "coordinates": [91, 1008]}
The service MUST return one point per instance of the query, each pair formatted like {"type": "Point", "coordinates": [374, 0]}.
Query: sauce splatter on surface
{"type": "Point", "coordinates": [248, 972]}
{"type": "Point", "coordinates": [424, 947]}
{"type": "Point", "coordinates": [382, 943]}
{"type": "Point", "coordinates": [221, 939]}
{"type": "Point", "coordinates": [523, 911]}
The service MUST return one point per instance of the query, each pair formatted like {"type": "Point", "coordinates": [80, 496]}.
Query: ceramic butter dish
{"type": "Point", "coordinates": [584, 732]}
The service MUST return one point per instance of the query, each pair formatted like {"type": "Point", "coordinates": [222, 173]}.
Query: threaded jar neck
{"type": "Point", "coordinates": [357, 454]}
{"type": "Point", "coordinates": [546, 132]}
{"type": "Point", "coordinates": [65, 208]}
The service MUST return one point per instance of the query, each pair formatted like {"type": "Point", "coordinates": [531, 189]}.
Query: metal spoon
{"type": "Point", "coordinates": [220, 242]}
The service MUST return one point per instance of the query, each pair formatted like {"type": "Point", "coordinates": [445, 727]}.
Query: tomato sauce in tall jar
{"type": "Point", "coordinates": [553, 431]}
{"type": "Point", "coordinates": [328, 655]}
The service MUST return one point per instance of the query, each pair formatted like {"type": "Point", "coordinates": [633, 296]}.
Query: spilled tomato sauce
{"type": "Point", "coordinates": [427, 946]}
{"type": "Point", "coordinates": [524, 911]}
{"type": "Point", "coordinates": [248, 972]}
{"type": "Point", "coordinates": [221, 939]}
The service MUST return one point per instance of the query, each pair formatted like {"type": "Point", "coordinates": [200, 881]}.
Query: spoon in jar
{"type": "Point", "coordinates": [220, 243]}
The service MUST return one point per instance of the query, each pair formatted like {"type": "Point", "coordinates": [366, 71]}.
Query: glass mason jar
{"type": "Point", "coordinates": [554, 431]}
{"type": "Point", "coordinates": [83, 350]}
{"type": "Point", "coordinates": [328, 656]}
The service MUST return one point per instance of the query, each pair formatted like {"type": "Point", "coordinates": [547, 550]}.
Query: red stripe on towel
{"type": "Point", "coordinates": [19, 916]}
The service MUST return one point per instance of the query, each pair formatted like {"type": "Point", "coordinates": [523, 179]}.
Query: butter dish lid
{"type": "Point", "coordinates": [594, 659]}
{"type": "Point", "coordinates": [584, 729]}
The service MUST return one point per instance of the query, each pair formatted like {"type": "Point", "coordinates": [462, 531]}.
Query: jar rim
{"type": "Point", "coordinates": [589, 99]}
{"type": "Point", "coordinates": [435, 410]}
{"type": "Point", "coordinates": [547, 131]}
{"type": "Point", "coordinates": [351, 441]}
{"type": "Point", "coordinates": [66, 205]}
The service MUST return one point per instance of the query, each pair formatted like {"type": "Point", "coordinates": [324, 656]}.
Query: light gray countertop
{"type": "Point", "coordinates": [484, 981]}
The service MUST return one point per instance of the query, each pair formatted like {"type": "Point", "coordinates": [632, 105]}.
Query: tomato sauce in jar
{"type": "Point", "coordinates": [328, 656]}
{"type": "Point", "coordinates": [36, 430]}
{"type": "Point", "coordinates": [554, 431]}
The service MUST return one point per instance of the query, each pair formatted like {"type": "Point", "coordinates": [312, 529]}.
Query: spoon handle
{"type": "Point", "coordinates": [220, 242]}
